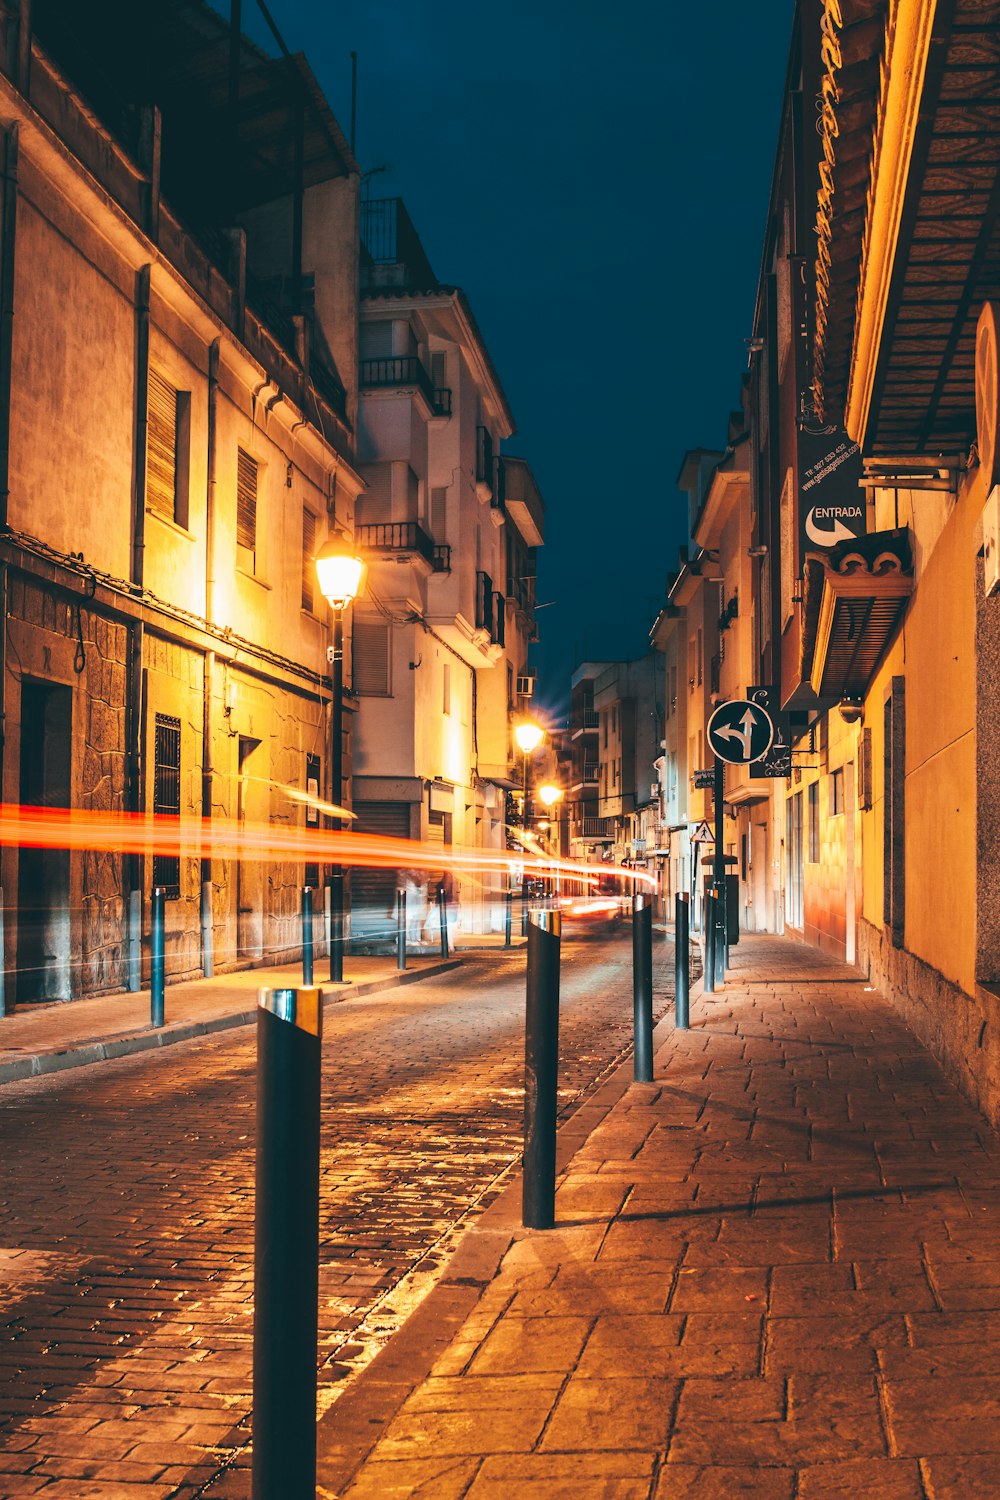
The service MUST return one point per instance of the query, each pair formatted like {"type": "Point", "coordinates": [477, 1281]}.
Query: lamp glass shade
{"type": "Point", "coordinates": [339, 573]}
{"type": "Point", "coordinates": [549, 794]}
{"type": "Point", "coordinates": [529, 736]}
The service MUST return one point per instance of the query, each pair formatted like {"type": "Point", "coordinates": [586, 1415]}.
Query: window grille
{"type": "Point", "coordinates": [167, 797]}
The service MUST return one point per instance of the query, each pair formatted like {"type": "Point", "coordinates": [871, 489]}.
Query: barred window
{"type": "Point", "coordinates": [246, 508]}
{"type": "Point", "coordinates": [167, 797]}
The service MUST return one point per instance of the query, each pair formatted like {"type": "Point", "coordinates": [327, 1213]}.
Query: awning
{"type": "Point", "coordinates": [856, 596]}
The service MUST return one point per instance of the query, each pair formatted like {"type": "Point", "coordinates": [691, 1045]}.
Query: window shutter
{"type": "Point", "coordinates": [246, 501]}
{"type": "Point", "coordinates": [371, 657]}
{"type": "Point", "coordinates": [308, 558]}
{"type": "Point", "coordinates": [161, 446]}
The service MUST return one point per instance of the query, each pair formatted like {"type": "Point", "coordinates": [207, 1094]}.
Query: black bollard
{"type": "Point", "coordinates": [508, 911]}
{"type": "Point", "coordinates": [307, 934]}
{"type": "Point", "coordinates": [400, 929]}
{"type": "Point", "coordinates": [337, 927]}
{"type": "Point", "coordinates": [642, 987]}
{"type": "Point", "coordinates": [682, 962]}
{"type": "Point", "coordinates": [443, 918]}
{"type": "Point", "coordinates": [286, 1244]}
{"type": "Point", "coordinates": [541, 1070]}
{"type": "Point", "coordinates": [721, 935]}
{"type": "Point", "coordinates": [708, 929]}
{"type": "Point", "coordinates": [156, 963]}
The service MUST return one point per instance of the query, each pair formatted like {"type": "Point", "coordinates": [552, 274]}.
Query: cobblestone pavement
{"type": "Point", "coordinates": [774, 1273]}
{"type": "Point", "coordinates": [127, 1222]}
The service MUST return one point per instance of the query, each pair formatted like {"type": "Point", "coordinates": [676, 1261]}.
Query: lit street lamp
{"type": "Point", "coordinates": [339, 572]}
{"type": "Point", "coordinates": [529, 736]}
{"type": "Point", "coordinates": [549, 795]}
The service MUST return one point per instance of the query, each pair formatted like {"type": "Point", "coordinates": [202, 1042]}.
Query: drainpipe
{"type": "Point", "coordinates": [133, 864]}
{"type": "Point", "coordinates": [8, 232]}
{"type": "Point", "coordinates": [209, 664]}
{"type": "Point", "coordinates": [141, 419]}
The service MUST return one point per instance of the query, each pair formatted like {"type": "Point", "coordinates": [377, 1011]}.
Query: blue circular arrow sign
{"type": "Point", "coordinates": [740, 731]}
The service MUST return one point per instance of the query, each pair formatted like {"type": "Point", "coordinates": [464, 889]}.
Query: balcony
{"type": "Point", "coordinates": [598, 830]}
{"type": "Point", "coordinates": [490, 609]}
{"type": "Point", "coordinates": [404, 539]}
{"type": "Point", "coordinates": [442, 401]}
{"type": "Point", "coordinates": [399, 372]}
{"type": "Point", "coordinates": [587, 722]}
{"type": "Point", "coordinates": [522, 501]}
{"type": "Point", "coordinates": [485, 463]}
{"type": "Point", "coordinates": [591, 770]}
{"type": "Point", "coordinates": [442, 557]}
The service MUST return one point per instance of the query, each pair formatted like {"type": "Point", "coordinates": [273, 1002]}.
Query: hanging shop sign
{"type": "Point", "coordinates": [831, 501]}
{"type": "Point", "coordinates": [778, 760]}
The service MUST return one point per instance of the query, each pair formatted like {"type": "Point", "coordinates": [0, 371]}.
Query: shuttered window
{"type": "Point", "coordinates": [246, 504]}
{"type": "Point", "coordinates": [167, 448]}
{"type": "Point", "coordinates": [167, 797]}
{"type": "Point", "coordinates": [371, 657]}
{"type": "Point", "coordinates": [308, 558]}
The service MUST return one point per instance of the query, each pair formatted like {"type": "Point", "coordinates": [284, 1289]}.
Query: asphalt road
{"type": "Point", "coordinates": [126, 1271]}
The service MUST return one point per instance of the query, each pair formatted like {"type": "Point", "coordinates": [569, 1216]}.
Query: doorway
{"type": "Point", "coordinates": [44, 967]}
{"type": "Point", "coordinates": [249, 872]}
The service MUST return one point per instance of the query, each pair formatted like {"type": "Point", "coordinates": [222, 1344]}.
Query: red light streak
{"type": "Point", "coordinates": [149, 833]}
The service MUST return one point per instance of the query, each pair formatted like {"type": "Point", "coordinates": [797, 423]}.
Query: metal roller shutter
{"type": "Point", "coordinates": [373, 892]}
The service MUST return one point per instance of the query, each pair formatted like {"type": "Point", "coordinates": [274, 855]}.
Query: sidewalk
{"type": "Point", "coordinates": [46, 1038]}
{"type": "Point", "coordinates": [775, 1273]}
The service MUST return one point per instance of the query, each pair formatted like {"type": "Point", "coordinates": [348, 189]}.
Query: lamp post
{"type": "Point", "coordinates": [339, 572]}
{"type": "Point", "coordinates": [549, 795]}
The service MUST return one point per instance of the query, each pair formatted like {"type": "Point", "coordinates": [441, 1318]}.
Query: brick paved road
{"type": "Point", "coordinates": [127, 1221]}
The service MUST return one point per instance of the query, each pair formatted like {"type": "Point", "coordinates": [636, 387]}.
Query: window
{"type": "Point", "coordinates": [813, 855]}
{"type": "Point", "coordinates": [837, 792]}
{"type": "Point", "coordinates": [167, 797]}
{"type": "Point", "coordinates": [894, 807]}
{"type": "Point", "coordinates": [246, 511]}
{"type": "Point", "coordinates": [168, 444]}
{"type": "Point", "coordinates": [439, 514]}
{"type": "Point", "coordinates": [371, 658]}
{"type": "Point", "coordinates": [308, 558]}
{"type": "Point", "coordinates": [446, 689]}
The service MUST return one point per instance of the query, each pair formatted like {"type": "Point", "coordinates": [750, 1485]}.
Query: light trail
{"type": "Point", "coordinates": [206, 838]}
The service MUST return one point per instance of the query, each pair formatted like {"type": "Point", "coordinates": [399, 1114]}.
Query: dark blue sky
{"type": "Point", "coordinates": [596, 177]}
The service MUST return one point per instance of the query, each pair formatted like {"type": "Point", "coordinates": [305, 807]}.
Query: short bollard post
{"type": "Point", "coordinates": [400, 929]}
{"type": "Point", "coordinates": [507, 915]}
{"type": "Point", "coordinates": [337, 927]}
{"type": "Point", "coordinates": [682, 962]}
{"type": "Point", "coordinates": [708, 929]}
{"type": "Point", "coordinates": [541, 1070]}
{"type": "Point", "coordinates": [307, 934]}
{"type": "Point", "coordinates": [721, 935]}
{"type": "Point", "coordinates": [286, 1244]}
{"type": "Point", "coordinates": [156, 975]}
{"type": "Point", "coordinates": [642, 987]}
{"type": "Point", "coordinates": [443, 919]}
{"type": "Point", "coordinates": [3, 962]}
{"type": "Point", "coordinates": [207, 947]}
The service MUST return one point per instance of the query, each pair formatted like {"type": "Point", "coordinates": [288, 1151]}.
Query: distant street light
{"type": "Point", "coordinates": [529, 736]}
{"type": "Point", "coordinates": [339, 572]}
{"type": "Point", "coordinates": [550, 794]}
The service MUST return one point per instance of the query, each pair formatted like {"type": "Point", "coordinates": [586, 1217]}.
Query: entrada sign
{"type": "Point", "coordinates": [831, 502]}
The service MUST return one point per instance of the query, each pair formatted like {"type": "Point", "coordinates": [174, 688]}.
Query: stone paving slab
{"type": "Point", "coordinates": [46, 1038]}
{"type": "Point", "coordinates": [775, 1272]}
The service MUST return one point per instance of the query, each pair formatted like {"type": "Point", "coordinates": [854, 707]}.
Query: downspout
{"type": "Point", "coordinates": [8, 234]}
{"type": "Point", "coordinates": [207, 922]}
{"type": "Point", "coordinates": [140, 424]}
{"type": "Point", "coordinates": [134, 872]}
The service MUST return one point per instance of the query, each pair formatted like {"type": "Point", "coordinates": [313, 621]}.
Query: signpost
{"type": "Point", "coordinates": [739, 732]}
{"type": "Point", "coordinates": [778, 760]}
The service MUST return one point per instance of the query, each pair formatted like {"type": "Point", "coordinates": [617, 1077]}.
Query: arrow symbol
{"type": "Point", "coordinates": [743, 736]}
{"type": "Point", "coordinates": [822, 537]}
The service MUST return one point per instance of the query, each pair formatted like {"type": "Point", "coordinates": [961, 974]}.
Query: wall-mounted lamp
{"type": "Point", "coordinates": [852, 710]}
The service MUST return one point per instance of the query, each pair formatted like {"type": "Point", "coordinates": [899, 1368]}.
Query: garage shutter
{"type": "Point", "coordinates": [373, 892]}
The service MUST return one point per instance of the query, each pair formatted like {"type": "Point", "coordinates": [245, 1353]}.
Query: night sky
{"type": "Point", "coordinates": [596, 177]}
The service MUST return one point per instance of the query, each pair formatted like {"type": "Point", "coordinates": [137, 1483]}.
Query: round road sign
{"type": "Point", "coordinates": [740, 731]}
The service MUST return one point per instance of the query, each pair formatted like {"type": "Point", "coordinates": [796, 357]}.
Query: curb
{"type": "Point", "coordinates": [59, 1060]}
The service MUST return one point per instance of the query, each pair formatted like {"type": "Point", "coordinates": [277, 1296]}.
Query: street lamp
{"type": "Point", "coordinates": [529, 736]}
{"type": "Point", "coordinates": [339, 572]}
{"type": "Point", "coordinates": [549, 795]}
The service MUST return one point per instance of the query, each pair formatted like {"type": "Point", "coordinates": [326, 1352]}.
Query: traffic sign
{"type": "Point", "coordinates": [703, 835]}
{"type": "Point", "coordinates": [740, 731]}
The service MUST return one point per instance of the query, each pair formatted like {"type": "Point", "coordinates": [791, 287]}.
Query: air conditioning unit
{"type": "Point", "coordinates": [991, 541]}
{"type": "Point", "coordinates": [525, 687]}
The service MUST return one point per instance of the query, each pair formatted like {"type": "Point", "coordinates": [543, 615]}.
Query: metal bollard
{"type": "Point", "coordinates": [134, 942]}
{"type": "Point", "coordinates": [3, 963]}
{"type": "Point", "coordinates": [708, 928]}
{"type": "Point", "coordinates": [307, 935]}
{"type": "Point", "coordinates": [286, 1244]}
{"type": "Point", "coordinates": [337, 927]}
{"type": "Point", "coordinates": [207, 946]}
{"type": "Point", "coordinates": [507, 915]}
{"type": "Point", "coordinates": [156, 966]}
{"type": "Point", "coordinates": [443, 917]}
{"type": "Point", "coordinates": [642, 987]}
{"type": "Point", "coordinates": [400, 929]}
{"type": "Point", "coordinates": [682, 962]}
{"type": "Point", "coordinates": [721, 935]}
{"type": "Point", "coordinates": [541, 1070]}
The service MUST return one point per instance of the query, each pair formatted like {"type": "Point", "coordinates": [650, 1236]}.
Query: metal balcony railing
{"type": "Point", "coordinates": [588, 719]}
{"type": "Point", "coordinates": [442, 557]}
{"type": "Point", "coordinates": [396, 536]}
{"type": "Point", "coordinates": [591, 828]}
{"type": "Point", "coordinates": [484, 458]}
{"type": "Point", "coordinates": [591, 771]}
{"type": "Point", "coordinates": [397, 372]}
{"type": "Point", "coordinates": [499, 619]}
{"type": "Point", "coordinates": [442, 401]}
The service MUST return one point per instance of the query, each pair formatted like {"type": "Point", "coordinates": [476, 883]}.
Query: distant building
{"type": "Point", "coordinates": [591, 836]}
{"type": "Point", "coordinates": [628, 699]}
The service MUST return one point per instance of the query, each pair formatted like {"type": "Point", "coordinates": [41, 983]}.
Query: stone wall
{"type": "Point", "coordinates": [962, 1031]}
